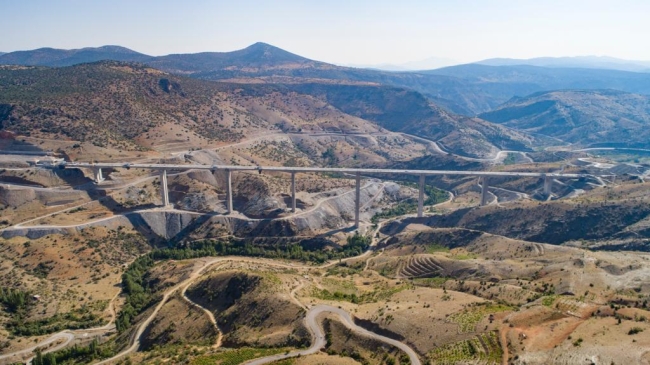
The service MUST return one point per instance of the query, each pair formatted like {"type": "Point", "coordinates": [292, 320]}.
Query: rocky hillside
{"type": "Point", "coordinates": [580, 116]}
{"type": "Point", "coordinates": [130, 106]}
{"type": "Point", "coordinates": [410, 112]}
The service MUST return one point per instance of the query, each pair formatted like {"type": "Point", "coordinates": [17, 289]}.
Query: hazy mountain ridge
{"type": "Point", "coordinates": [498, 84]}
{"type": "Point", "coordinates": [598, 62]}
{"type": "Point", "coordinates": [584, 117]}
{"type": "Point", "coordinates": [60, 57]}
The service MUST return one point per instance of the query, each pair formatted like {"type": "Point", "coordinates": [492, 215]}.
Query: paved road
{"type": "Point", "coordinates": [319, 341]}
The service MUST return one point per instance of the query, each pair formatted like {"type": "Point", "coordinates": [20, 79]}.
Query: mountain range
{"type": "Point", "coordinates": [599, 62]}
{"type": "Point", "coordinates": [425, 64]}
{"type": "Point", "coordinates": [577, 105]}
{"type": "Point", "coordinates": [464, 89]}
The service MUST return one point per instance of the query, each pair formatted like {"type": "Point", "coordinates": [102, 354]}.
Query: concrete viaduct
{"type": "Point", "coordinates": [162, 168]}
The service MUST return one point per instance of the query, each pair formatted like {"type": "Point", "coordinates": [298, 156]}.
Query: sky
{"type": "Point", "coordinates": [338, 31]}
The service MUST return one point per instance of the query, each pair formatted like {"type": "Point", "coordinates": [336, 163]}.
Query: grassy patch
{"type": "Point", "coordinates": [369, 297]}
{"type": "Point", "coordinates": [464, 256]}
{"type": "Point", "coordinates": [549, 300]}
{"type": "Point", "coordinates": [344, 269]}
{"type": "Point", "coordinates": [484, 348]}
{"type": "Point", "coordinates": [236, 357]}
{"type": "Point", "coordinates": [469, 318]}
{"type": "Point", "coordinates": [435, 248]}
{"type": "Point", "coordinates": [435, 282]}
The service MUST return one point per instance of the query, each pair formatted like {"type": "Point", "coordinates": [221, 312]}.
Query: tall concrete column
{"type": "Point", "coordinates": [548, 185]}
{"type": "Point", "coordinates": [357, 200]}
{"type": "Point", "coordinates": [293, 192]}
{"type": "Point", "coordinates": [98, 175]}
{"type": "Point", "coordinates": [421, 198]}
{"type": "Point", "coordinates": [484, 190]}
{"type": "Point", "coordinates": [164, 190]}
{"type": "Point", "coordinates": [229, 186]}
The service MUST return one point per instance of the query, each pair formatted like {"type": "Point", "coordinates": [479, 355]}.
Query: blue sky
{"type": "Point", "coordinates": [343, 32]}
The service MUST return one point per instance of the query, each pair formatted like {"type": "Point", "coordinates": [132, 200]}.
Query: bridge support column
{"type": "Point", "coordinates": [357, 199]}
{"type": "Point", "coordinates": [484, 190]}
{"type": "Point", "coordinates": [164, 190]}
{"type": "Point", "coordinates": [421, 198]}
{"type": "Point", "coordinates": [293, 192]}
{"type": "Point", "coordinates": [98, 175]}
{"type": "Point", "coordinates": [229, 187]}
{"type": "Point", "coordinates": [548, 185]}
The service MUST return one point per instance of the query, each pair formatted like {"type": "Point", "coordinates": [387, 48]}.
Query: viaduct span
{"type": "Point", "coordinates": [162, 168]}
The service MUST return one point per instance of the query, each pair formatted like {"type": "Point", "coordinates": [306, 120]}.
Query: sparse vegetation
{"type": "Point", "coordinates": [237, 356]}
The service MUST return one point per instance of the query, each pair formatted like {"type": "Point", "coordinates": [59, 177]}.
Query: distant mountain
{"type": "Point", "coordinates": [491, 86]}
{"type": "Point", "coordinates": [586, 117]}
{"type": "Point", "coordinates": [426, 64]}
{"type": "Point", "coordinates": [60, 57]}
{"type": "Point", "coordinates": [600, 62]}
{"type": "Point", "coordinates": [257, 57]}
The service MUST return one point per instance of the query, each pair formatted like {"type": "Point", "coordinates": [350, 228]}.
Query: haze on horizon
{"type": "Point", "coordinates": [340, 32]}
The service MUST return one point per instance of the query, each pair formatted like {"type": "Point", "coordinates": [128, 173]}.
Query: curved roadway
{"type": "Point", "coordinates": [318, 336]}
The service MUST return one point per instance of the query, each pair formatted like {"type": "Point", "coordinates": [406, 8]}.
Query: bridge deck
{"type": "Point", "coordinates": [319, 169]}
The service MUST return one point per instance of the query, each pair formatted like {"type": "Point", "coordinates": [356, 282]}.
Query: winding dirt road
{"type": "Point", "coordinates": [319, 341]}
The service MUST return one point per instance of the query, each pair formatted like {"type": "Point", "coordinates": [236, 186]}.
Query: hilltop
{"type": "Point", "coordinates": [584, 117]}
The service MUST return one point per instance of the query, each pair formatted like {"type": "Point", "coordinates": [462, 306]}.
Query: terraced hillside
{"type": "Point", "coordinates": [419, 266]}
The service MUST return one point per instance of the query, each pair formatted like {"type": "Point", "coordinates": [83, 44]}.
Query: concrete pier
{"type": "Point", "coordinates": [99, 177]}
{"type": "Point", "coordinates": [548, 185]}
{"type": "Point", "coordinates": [421, 197]}
{"type": "Point", "coordinates": [484, 190]}
{"type": "Point", "coordinates": [229, 187]}
{"type": "Point", "coordinates": [357, 200]}
{"type": "Point", "coordinates": [164, 190]}
{"type": "Point", "coordinates": [293, 192]}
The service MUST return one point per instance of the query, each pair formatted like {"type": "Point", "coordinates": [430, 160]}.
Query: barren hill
{"type": "Point", "coordinates": [580, 116]}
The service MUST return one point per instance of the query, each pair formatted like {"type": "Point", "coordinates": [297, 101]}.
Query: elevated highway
{"type": "Point", "coordinates": [356, 172]}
